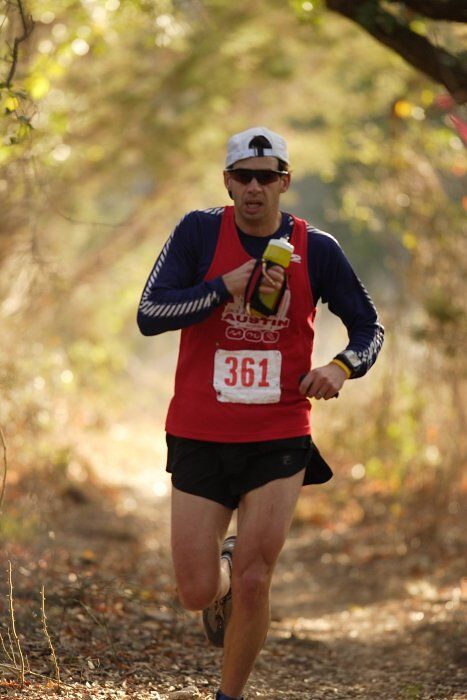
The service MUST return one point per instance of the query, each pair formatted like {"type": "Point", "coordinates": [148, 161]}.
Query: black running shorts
{"type": "Point", "coordinates": [224, 471]}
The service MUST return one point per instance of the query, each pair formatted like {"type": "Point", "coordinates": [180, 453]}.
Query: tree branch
{"type": "Point", "coordinates": [28, 26]}
{"type": "Point", "coordinates": [435, 62]}
{"type": "Point", "coordinates": [49, 640]}
{"type": "Point", "coordinates": [20, 667]}
{"type": "Point", "coordinates": [449, 10]}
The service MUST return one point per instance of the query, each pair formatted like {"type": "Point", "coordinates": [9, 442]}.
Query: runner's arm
{"type": "Point", "coordinates": [335, 282]}
{"type": "Point", "coordinates": [176, 295]}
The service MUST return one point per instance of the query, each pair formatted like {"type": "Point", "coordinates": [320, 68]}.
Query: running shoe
{"type": "Point", "coordinates": [217, 615]}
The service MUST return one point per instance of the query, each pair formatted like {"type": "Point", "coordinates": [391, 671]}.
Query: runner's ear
{"type": "Point", "coordinates": [285, 183]}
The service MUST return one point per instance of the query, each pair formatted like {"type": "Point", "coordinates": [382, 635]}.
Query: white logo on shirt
{"type": "Point", "coordinates": [255, 329]}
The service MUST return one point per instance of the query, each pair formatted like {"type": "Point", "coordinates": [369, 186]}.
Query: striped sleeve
{"type": "Point", "coordinates": [175, 294]}
{"type": "Point", "coordinates": [334, 281]}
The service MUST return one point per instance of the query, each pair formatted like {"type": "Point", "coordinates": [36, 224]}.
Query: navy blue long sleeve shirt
{"type": "Point", "coordinates": [176, 294]}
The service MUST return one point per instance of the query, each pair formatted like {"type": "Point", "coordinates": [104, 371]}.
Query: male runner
{"type": "Point", "coordinates": [238, 426]}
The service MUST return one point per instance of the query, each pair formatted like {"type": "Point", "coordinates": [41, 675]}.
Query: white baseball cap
{"type": "Point", "coordinates": [257, 141]}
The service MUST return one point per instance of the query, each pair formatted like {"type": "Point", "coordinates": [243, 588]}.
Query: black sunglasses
{"type": "Point", "coordinates": [263, 177]}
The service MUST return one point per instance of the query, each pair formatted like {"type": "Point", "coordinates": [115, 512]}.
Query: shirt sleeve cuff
{"type": "Point", "coordinates": [219, 286]}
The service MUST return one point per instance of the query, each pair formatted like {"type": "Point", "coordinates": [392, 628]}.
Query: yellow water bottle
{"type": "Point", "coordinates": [278, 252]}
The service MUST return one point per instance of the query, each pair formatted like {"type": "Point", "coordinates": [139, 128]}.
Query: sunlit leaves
{"type": "Point", "coordinates": [419, 27]}
{"type": "Point", "coordinates": [10, 103]}
{"type": "Point", "coordinates": [409, 241]}
{"type": "Point", "coordinates": [307, 10]}
{"type": "Point", "coordinates": [38, 86]}
{"type": "Point", "coordinates": [402, 109]}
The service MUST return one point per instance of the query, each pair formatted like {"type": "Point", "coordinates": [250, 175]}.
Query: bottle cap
{"type": "Point", "coordinates": [283, 244]}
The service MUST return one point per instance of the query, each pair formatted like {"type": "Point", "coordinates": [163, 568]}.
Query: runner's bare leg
{"type": "Point", "coordinates": [264, 519]}
{"type": "Point", "coordinates": [199, 526]}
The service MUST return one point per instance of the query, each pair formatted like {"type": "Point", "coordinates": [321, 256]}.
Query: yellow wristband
{"type": "Point", "coordinates": [342, 366]}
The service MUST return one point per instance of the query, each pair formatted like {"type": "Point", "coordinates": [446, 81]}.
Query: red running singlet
{"type": "Point", "coordinates": [238, 375]}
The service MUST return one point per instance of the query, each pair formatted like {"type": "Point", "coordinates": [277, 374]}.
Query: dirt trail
{"type": "Point", "coordinates": [357, 611]}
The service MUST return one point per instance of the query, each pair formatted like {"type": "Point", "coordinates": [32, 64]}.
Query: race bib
{"type": "Point", "coordinates": [247, 376]}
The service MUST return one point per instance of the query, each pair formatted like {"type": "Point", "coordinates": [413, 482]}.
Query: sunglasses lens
{"type": "Point", "coordinates": [243, 176]}
{"type": "Point", "coordinates": [264, 177]}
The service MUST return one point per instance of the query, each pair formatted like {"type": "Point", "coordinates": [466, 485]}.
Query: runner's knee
{"type": "Point", "coordinates": [252, 584]}
{"type": "Point", "coordinates": [196, 595]}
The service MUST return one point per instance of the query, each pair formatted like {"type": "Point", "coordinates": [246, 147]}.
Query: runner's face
{"type": "Point", "coordinates": [256, 204]}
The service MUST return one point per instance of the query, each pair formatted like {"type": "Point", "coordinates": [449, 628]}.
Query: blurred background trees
{"type": "Point", "coordinates": [114, 118]}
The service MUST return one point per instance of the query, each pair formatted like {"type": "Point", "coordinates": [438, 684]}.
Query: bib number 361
{"type": "Point", "coordinates": [247, 376]}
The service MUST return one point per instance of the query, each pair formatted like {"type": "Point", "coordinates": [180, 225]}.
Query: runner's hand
{"type": "Point", "coordinates": [236, 280]}
{"type": "Point", "coordinates": [323, 382]}
{"type": "Point", "coordinates": [272, 279]}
